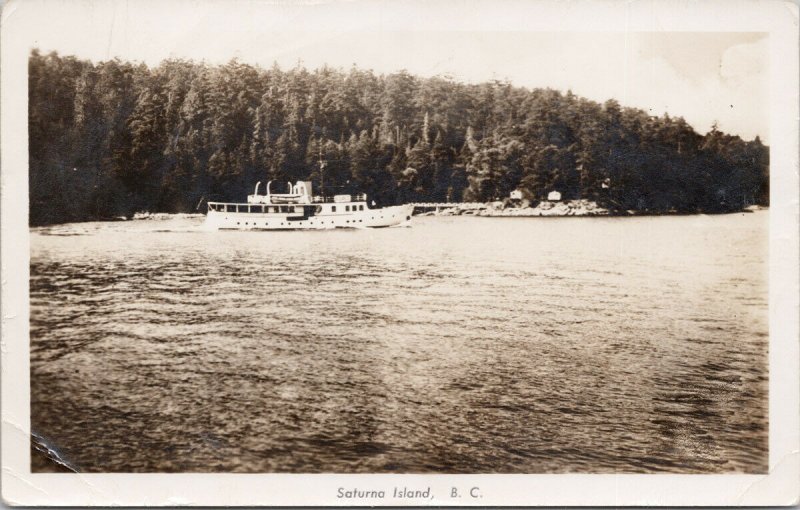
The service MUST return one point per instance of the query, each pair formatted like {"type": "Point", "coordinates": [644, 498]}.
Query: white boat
{"type": "Point", "coordinates": [300, 210]}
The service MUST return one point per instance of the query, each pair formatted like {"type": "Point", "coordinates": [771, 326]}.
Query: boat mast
{"type": "Point", "coordinates": [321, 173]}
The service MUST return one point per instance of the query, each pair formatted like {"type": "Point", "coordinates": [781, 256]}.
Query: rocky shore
{"type": "Point", "coordinates": [164, 216]}
{"type": "Point", "coordinates": [544, 208]}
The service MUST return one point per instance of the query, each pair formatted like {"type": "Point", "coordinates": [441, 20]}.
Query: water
{"type": "Point", "coordinates": [461, 344]}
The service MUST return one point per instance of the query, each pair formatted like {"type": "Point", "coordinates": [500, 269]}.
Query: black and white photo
{"type": "Point", "coordinates": [415, 242]}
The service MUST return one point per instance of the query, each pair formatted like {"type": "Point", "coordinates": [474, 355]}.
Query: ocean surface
{"type": "Point", "coordinates": [459, 344]}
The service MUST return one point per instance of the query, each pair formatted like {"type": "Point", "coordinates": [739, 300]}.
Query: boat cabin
{"type": "Point", "coordinates": [298, 201]}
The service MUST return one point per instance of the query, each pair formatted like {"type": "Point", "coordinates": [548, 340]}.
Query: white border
{"type": "Point", "coordinates": [780, 487]}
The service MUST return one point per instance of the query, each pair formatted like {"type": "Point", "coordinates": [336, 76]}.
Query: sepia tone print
{"type": "Point", "coordinates": [337, 267]}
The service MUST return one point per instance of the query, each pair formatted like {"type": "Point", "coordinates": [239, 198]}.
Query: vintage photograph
{"type": "Point", "coordinates": [285, 250]}
{"type": "Point", "coordinates": [565, 284]}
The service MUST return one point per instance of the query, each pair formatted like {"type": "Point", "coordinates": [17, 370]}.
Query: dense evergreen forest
{"type": "Point", "coordinates": [113, 138]}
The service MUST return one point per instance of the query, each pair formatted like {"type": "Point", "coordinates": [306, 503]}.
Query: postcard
{"type": "Point", "coordinates": [364, 253]}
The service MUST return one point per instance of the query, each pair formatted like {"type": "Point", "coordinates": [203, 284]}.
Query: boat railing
{"type": "Point", "coordinates": [238, 207]}
{"type": "Point", "coordinates": [359, 197]}
{"type": "Point", "coordinates": [283, 207]}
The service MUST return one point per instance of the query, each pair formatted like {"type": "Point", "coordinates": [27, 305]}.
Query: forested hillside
{"type": "Point", "coordinates": [113, 138]}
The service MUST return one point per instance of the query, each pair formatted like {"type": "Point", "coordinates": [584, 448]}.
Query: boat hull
{"type": "Point", "coordinates": [368, 218]}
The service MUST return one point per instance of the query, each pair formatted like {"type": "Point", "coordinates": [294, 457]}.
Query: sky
{"type": "Point", "coordinates": [705, 77]}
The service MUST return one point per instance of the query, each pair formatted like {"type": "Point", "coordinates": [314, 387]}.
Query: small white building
{"type": "Point", "coordinates": [516, 195]}
{"type": "Point", "coordinates": [554, 196]}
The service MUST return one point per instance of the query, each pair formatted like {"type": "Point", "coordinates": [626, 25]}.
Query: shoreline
{"type": "Point", "coordinates": [566, 208]}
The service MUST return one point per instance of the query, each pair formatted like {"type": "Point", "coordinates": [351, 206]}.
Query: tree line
{"type": "Point", "coordinates": [112, 138]}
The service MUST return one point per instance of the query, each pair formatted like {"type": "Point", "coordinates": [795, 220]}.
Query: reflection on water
{"type": "Point", "coordinates": [521, 345]}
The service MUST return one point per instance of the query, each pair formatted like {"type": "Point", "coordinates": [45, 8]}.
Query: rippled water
{"type": "Point", "coordinates": [463, 344]}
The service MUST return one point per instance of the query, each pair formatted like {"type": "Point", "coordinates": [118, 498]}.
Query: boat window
{"type": "Point", "coordinates": [230, 208]}
{"type": "Point", "coordinates": [292, 209]}
{"type": "Point", "coordinates": [284, 209]}
{"type": "Point", "coordinates": [360, 207]}
{"type": "Point", "coordinates": [333, 208]}
{"type": "Point", "coordinates": [347, 208]}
